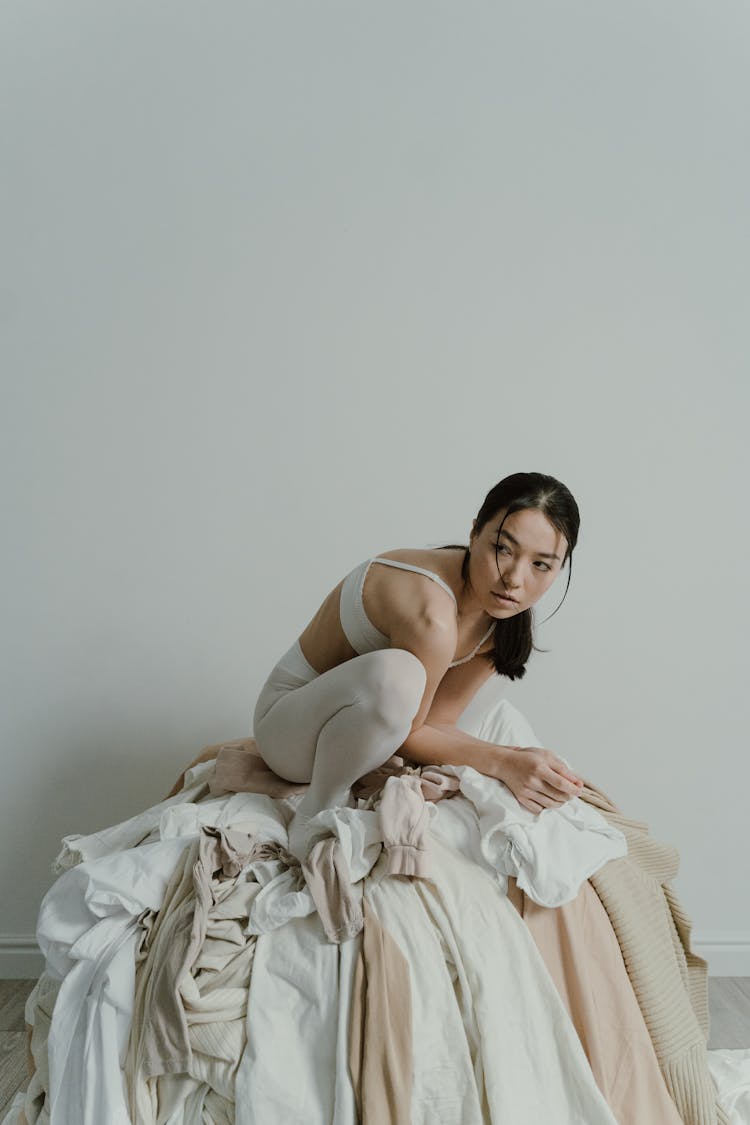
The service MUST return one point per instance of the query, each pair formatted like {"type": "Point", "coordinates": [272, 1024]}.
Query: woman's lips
{"type": "Point", "coordinates": [505, 598]}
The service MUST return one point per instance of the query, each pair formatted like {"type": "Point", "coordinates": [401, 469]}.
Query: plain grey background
{"type": "Point", "coordinates": [286, 285]}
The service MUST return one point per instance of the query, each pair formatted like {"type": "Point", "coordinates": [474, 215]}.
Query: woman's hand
{"type": "Point", "coordinates": [536, 777]}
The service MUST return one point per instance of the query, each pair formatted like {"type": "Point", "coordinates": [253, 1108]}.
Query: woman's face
{"type": "Point", "coordinates": [523, 561]}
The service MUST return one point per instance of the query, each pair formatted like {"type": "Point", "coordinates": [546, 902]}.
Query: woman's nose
{"type": "Point", "coordinates": [510, 578]}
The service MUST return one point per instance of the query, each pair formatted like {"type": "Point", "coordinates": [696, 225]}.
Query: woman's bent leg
{"type": "Point", "coordinates": [338, 727]}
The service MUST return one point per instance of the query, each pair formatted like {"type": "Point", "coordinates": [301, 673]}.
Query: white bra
{"type": "Point", "coordinates": [360, 631]}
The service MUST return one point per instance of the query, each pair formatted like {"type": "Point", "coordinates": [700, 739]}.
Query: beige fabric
{"type": "Point", "coordinates": [583, 958]}
{"type": "Point", "coordinates": [582, 955]}
{"type": "Point", "coordinates": [159, 1041]}
{"type": "Point", "coordinates": [405, 821]}
{"type": "Point", "coordinates": [337, 900]}
{"type": "Point", "coordinates": [172, 940]}
{"type": "Point", "coordinates": [669, 980]}
{"type": "Point", "coordinates": [192, 976]}
{"type": "Point", "coordinates": [188, 1024]}
{"type": "Point", "coordinates": [380, 1028]}
{"type": "Point", "coordinates": [239, 768]}
{"type": "Point", "coordinates": [42, 1001]}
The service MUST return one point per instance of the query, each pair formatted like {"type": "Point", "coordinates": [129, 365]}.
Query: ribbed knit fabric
{"type": "Point", "coordinates": [669, 980]}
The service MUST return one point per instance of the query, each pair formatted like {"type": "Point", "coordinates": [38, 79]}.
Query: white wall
{"type": "Point", "coordinates": [284, 285]}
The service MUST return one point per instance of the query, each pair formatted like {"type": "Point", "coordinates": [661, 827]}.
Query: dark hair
{"type": "Point", "coordinates": [514, 636]}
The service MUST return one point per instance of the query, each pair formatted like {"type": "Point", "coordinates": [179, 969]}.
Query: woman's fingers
{"type": "Point", "coordinates": [557, 771]}
{"type": "Point", "coordinates": [552, 792]}
{"type": "Point", "coordinates": [532, 806]}
{"type": "Point", "coordinates": [561, 784]}
{"type": "Point", "coordinates": [545, 782]}
{"type": "Point", "coordinates": [544, 799]}
{"type": "Point", "coordinates": [562, 772]}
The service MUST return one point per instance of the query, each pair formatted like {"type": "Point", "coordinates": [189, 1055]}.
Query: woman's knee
{"type": "Point", "coordinates": [282, 742]}
{"type": "Point", "coordinates": [394, 684]}
{"type": "Point", "coordinates": [284, 756]}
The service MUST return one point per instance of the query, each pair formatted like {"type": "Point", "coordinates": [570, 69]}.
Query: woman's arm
{"type": "Point", "coordinates": [536, 777]}
{"type": "Point", "coordinates": [435, 744]}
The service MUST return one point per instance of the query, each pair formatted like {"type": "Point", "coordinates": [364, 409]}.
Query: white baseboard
{"type": "Point", "coordinates": [726, 951]}
{"type": "Point", "coordinates": [20, 957]}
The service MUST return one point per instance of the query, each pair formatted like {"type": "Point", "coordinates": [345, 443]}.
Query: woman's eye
{"type": "Point", "coordinates": [505, 547]}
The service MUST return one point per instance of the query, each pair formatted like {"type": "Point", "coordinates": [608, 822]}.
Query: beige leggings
{"type": "Point", "coordinates": [331, 729]}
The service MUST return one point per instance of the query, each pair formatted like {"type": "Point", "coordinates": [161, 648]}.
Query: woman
{"type": "Point", "coordinates": [388, 664]}
{"type": "Point", "coordinates": [396, 652]}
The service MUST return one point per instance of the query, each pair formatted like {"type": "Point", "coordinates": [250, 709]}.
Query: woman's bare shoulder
{"type": "Point", "coordinates": [397, 597]}
{"type": "Point", "coordinates": [432, 560]}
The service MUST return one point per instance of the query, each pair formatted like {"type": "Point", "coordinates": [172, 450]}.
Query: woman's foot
{"type": "Point", "coordinates": [299, 836]}
{"type": "Point", "coordinates": [305, 829]}
{"type": "Point", "coordinates": [304, 832]}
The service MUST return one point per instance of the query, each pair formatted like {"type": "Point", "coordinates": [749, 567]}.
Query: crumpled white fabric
{"type": "Point", "coordinates": [550, 853]}
{"type": "Point", "coordinates": [492, 1039]}
{"type": "Point", "coordinates": [730, 1070]}
{"type": "Point", "coordinates": [294, 1068]}
{"type": "Point", "coordinates": [87, 929]}
{"type": "Point", "coordinates": [89, 920]}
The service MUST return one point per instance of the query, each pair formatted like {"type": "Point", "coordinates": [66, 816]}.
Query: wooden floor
{"type": "Point", "coordinates": [729, 999]}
